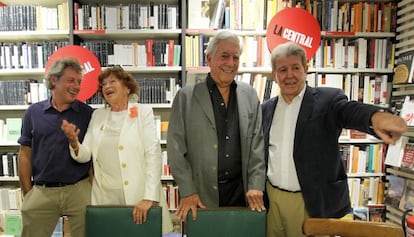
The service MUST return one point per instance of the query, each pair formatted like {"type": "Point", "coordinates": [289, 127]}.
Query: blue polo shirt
{"type": "Point", "coordinates": [51, 159]}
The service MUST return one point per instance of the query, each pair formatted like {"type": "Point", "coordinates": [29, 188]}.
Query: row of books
{"type": "Point", "coordinates": [27, 55]}
{"type": "Point", "coordinates": [366, 191]}
{"type": "Point", "coordinates": [171, 195]}
{"type": "Point", "coordinates": [255, 51]}
{"type": "Point", "coordinates": [334, 15]}
{"type": "Point", "coordinates": [360, 158]}
{"type": "Point", "coordinates": [9, 165]}
{"type": "Point", "coordinates": [354, 53]}
{"type": "Point", "coordinates": [151, 91]}
{"type": "Point", "coordinates": [366, 88]}
{"type": "Point", "coordinates": [235, 14]}
{"type": "Point", "coordinates": [375, 212]}
{"type": "Point", "coordinates": [264, 86]}
{"type": "Point", "coordinates": [22, 92]}
{"type": "Point", "coordinates": [34, 18]}
{"type": "Point", "coordinates": [11, 198]}
{"type": "Point", "coordinates": [149, 52]}
{"type": "Point", "coordinates": [126, 16]}
{"type": "Point", "coordinates": [29, 91]}
{"type": "Point", "coordinates": [371, 89]}
{"type": "Point", "coordinates": [332, 53]}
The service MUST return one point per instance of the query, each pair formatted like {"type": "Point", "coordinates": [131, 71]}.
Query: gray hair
{"type": "Point", "coordinates": [224, 35]}
{"type": "Point", "coordinates": [288, 49]}
{"type": "Point", "coordinates": [57, 68]}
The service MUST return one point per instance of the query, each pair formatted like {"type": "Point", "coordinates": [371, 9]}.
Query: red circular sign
{"type": "Point", "coordinates": [90, 64]}
{"type": "Point", "coordinates": [297, 25]}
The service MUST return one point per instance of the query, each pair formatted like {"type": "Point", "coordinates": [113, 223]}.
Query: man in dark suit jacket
{"type": "Point", "coordinates": [305, 172]}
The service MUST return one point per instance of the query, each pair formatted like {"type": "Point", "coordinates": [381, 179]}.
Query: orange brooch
{"type": "Point", "coordinates": [133, 112]}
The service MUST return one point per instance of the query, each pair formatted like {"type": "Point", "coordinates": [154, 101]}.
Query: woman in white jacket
{"type": "Point", "coordinates": [121, 140]}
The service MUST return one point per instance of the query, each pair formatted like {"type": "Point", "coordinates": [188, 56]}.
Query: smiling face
{"type": "Point", "coordinates": [114, 90]}
{"type": "Point", "coordinates": [290, 75]}
{"type": "Point", "coordinates": [224, 62]}
{"type": "Point", "coordinates": [66, 88]}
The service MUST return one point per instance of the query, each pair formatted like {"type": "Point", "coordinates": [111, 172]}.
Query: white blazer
{"type": "Point", "coordinates": [139, 154]}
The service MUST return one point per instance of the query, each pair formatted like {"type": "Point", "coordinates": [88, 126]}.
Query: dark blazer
{"type": "Point", "coordinates": [321, 172]}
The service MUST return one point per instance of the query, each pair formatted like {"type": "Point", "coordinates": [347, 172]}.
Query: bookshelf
{"type": "Point", "coordinates": [404, 44]}
{"type": "Point", "coordinates": [187, 68]}
{"type": "Point", "coordinates": [358, 56]}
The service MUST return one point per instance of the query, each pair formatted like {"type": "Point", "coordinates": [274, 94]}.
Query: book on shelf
{"type": "Point", "coordinates": [376, 213]}
{"type": "Point", "coordinates": [13, 223]}
{"type": "Point", "coordinates": [157, 121]}
{"type": "Point", "coordinates": [408, 156]}
{"type": "Point", "coordinates": [397, 103]}
{"type": "Point", "coordinates": [407, 111]}
{"type": "Point", "coordinates": [13, 126]}
{"type": "Point", "coordinates": [164, 130]}
{"type": "Point", "coordinates": [360, 213]}
{"type": "Point", "coordinates": [407, 198]}
{"type": "Point", "coordinates": [395, 152]}
{"type": "Point", "coordinates": [198, 14]}
{"type": "Point", "coordinates": [404, 68]}
{"type": "Point", "coordinates": [217, 18]}
{"type": "Point", "coordinates": [395, 191]}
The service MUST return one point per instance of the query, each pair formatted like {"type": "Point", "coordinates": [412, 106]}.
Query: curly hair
{"type": "Point", "coordinates": [122, 75]}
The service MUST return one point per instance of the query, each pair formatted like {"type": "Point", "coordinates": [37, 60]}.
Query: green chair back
{"type": "Point", "coordinates": [226, 222]}
{"type": "Point", "coordinates": [110, 221]}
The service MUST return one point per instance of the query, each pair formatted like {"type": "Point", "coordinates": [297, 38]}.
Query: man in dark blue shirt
{"type": "Point", "coordinates": [54, 184]}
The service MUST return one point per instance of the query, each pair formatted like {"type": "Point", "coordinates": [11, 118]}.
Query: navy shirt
{"type": "Point", "coordinates": [51, 159]}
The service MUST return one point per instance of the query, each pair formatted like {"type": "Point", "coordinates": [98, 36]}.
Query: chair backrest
{"type": "Point", "coordinates": [102, 221]}
{"type": "Point", "coordinates": [350, 228]}
{"type": "Point", "coordinates": [226, 222]}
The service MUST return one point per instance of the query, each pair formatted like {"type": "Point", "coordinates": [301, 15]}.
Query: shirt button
{"type": "Point", "coordinates": [120, 147]}
{"type": "Point", "coordinates": [125, 183]}
{"type": "Point", "coordinates": [124, 165]}
{"type": "Point", "coordinates": [227, 156]}
{"type": "Point", "coordinates": [215, 146]}
{"type": "Point", "coordinates": [214, 187]}
{"type": "Point", "coordinates": [226, 173]}
{"type": "Point", "coordinates": [214, 168]}
{"type": "Point", "coordinates": [227, 137]}
{"type": "Point", "coordinates": [222, 104]}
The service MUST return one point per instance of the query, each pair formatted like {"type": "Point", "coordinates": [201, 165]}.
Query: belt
{"type": "Point", "coordinates": [284, 190]}
{"type": "Point", "coordinates": [55, 184]}
{"type": "Point", "coordinates": [52, 185]}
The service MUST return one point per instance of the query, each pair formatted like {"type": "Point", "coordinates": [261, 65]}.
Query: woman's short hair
{"type": "Point", "coordinates": [122, 75]}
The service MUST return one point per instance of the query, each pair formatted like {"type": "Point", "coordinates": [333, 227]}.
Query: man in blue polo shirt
{"type": "Point", "coordinates": [53, 183]}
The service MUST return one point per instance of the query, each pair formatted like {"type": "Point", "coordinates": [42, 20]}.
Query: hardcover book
{"type": "Point", "coordinates": [395, 190]}
{"type": "Point", "coordinates": [407, 198]}
{"type": "Point", "coordinates": [404, 68]}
